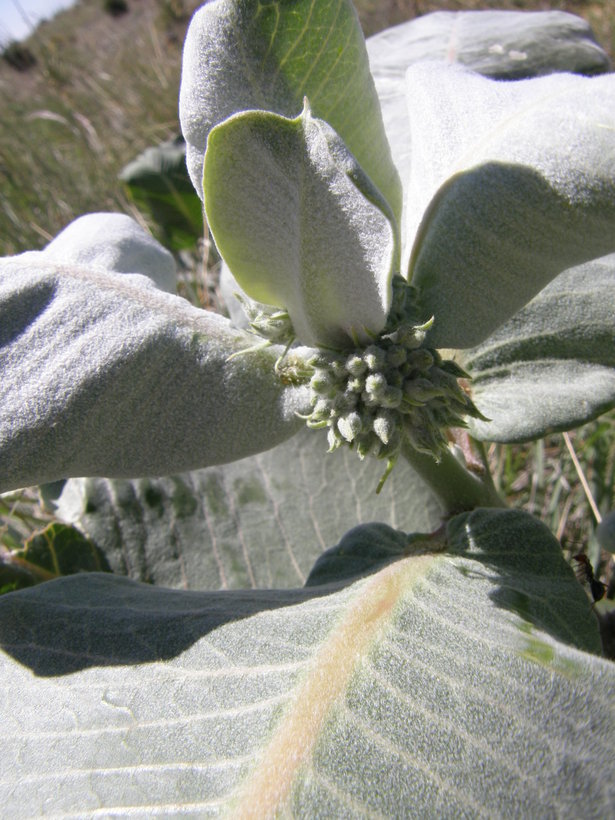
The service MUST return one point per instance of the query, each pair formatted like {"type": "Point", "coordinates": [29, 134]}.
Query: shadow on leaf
{"type": "Point", "coordinates": [97, 619]}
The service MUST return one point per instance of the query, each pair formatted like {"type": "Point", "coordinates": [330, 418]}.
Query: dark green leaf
{"type": "Point", "coordinates": [56, 550]}
{"type": "Point", "coordinates": [63, 550]}
{"type": "Point", "coordinates": [160, 187]}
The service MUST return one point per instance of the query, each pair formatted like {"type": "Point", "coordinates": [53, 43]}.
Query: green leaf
{"type": "Point", "coordinates": [520, 189]}
{"type": "Point", "coordinates": [62, 550]}
{"type": "Point", "coordinates": [367, 549]}
{"type": "Point", "coordinates": [241, 55]}
{"type": "Point", "coordinates": [552, 366]}
{"type": "Point", "coordinates": [300, 225]}
{"type": "Point", "coordinates": [443, 683]}
{"type": "Point", "coordinates": [160, 187]}
{"type": "Point", "coordinates": [56, 550]}
{"type": "Point", "coordinates": [104, 374]}
{"type": "Point", "coordinates": [259, 522]}
{"type": "Point", "coordinates": [499, 44]}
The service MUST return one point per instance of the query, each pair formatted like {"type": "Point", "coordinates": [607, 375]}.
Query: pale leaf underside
{"type": "Point", "coordinates": [442, 685]}
{"type": "Point", "coordinates": [552, 366]}
{"type": "Point", "coordinates": [259, 522]}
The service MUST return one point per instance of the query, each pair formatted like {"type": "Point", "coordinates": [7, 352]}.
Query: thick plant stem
{"type": "Point", "coordinates": [455, 486]}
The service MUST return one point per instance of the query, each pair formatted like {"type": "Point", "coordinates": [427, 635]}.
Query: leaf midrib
{"type": "Point", "coordinates": [267, 788]}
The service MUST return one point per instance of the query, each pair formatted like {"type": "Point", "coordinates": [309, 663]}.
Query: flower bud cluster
{"type": "Point", "coordinates": [372, 399]}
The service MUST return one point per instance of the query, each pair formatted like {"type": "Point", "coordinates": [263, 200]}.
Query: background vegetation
{"type": "Point", "coordinates": [102, 87]}
{"type": "Point", "coordinates": [105, 87]}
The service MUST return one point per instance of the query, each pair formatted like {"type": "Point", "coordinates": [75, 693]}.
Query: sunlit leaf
{"type": "Point", "coordinates": [503, 45]}
{"type": "Point", "coordinates": [445, 681]}
{"type": "Point", "coordinates": [520, 189]}
{"type": "Point", "coordinates": [240, 56]}
{"type": "Point", "coordinates": [300, 225]}
{"type": "Point", "coordinates": [104, 374]}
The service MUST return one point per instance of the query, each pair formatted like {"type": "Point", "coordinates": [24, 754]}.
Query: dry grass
{"type": "Point", "coordinates": [103, 89]}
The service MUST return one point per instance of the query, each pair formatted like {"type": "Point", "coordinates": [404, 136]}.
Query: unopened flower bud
{"type": "Point", "coordinates": [369, 399]}
{"type": "Point", "coordinates": [355, 365]}
{"type": "Point", "coordinates": [338, 368]}
{"type": "Point", "coordinates": [406, 336]}
{"type": "Point", "coordinates": [356, 384]}
{"type": "Point", "coordinates": [323, 383]}
{"type": "Point", "coordinates": [344, 402]}
{"type": "Point", "coordinates": [393, 391]}
{"type": "Point", "coordinates": [374, 357]}
{"type": "Point", "coordinates": [319, 360]}
{"type": "Point", "coordinates": [395, 378]}
{"type": "Point", "coordinates": [391, 397]}
{"type": "Point", "coordinates": [444, 380]}
{"type": "Point", "coordinates": [420, 359]}
{"type": "Point", "coordinates": [421, 390]}
{"type": "Point", "coordinates": [334, 439]}
{"type": "Point", "coordinates": [396, 355]}
{"type": "Point", "coordinates": [368, 445]}
{"type": "Point", "coordinates": [322, 408]}
{"type": "Point", "coordinates": [375, 384]}
{"type": "Point", "coordinates": [350, 426]}
{"type": "Point", "coordinates": [424, 439]}
{"type": "Point", "coordinates": [384, 427]}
